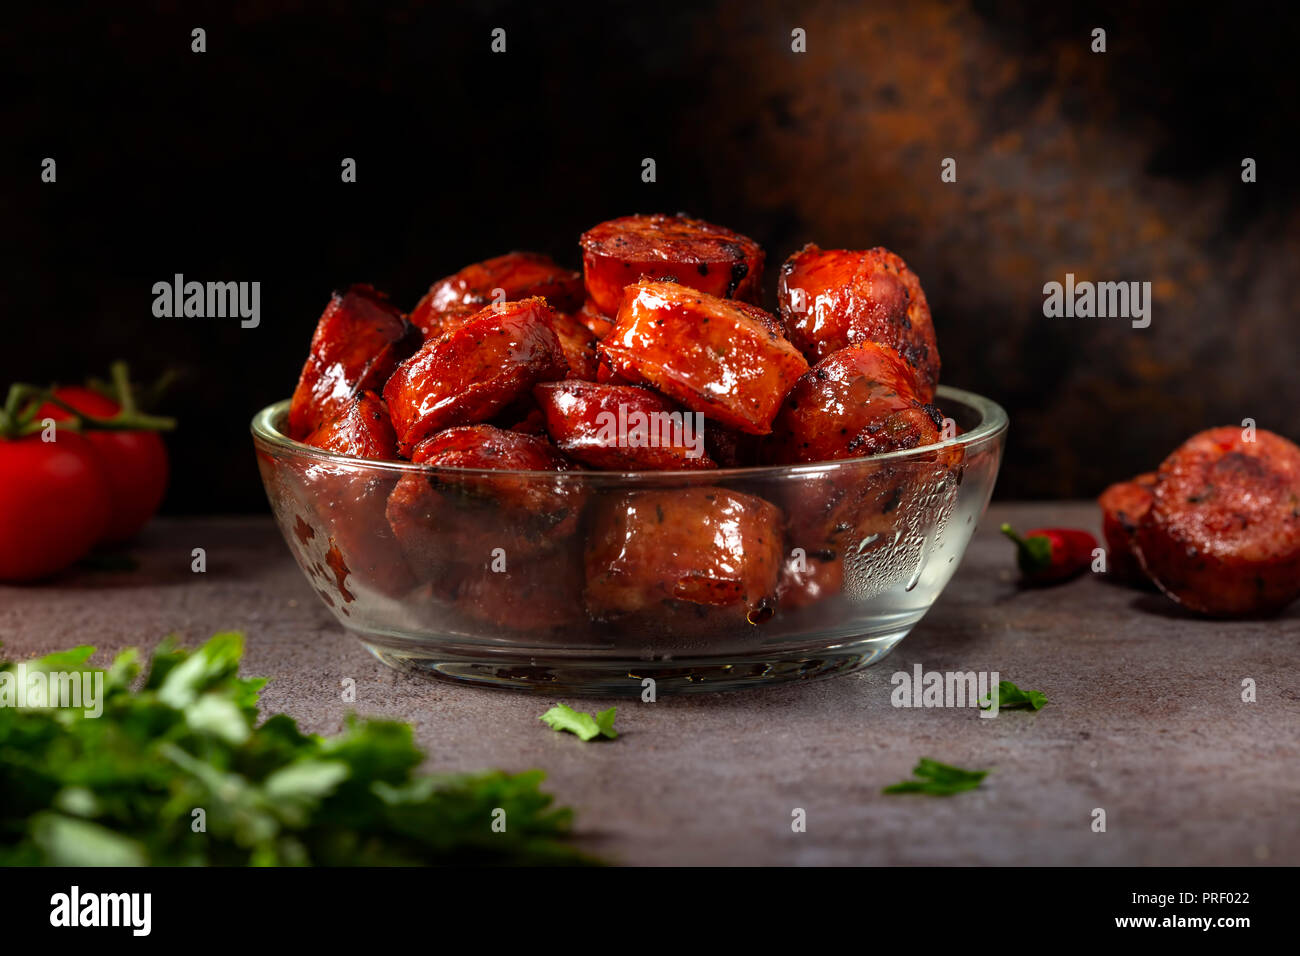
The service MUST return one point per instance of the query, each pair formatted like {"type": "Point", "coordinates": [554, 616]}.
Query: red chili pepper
{"type": "Point", "coordinates": [1051, 555]}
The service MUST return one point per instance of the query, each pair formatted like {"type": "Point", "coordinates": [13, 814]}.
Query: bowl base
{"type": "Point", "coordinates": [627, 678]}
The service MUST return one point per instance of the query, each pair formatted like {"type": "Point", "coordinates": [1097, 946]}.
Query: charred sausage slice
{"type": "Point", "coordinates": [707, 555]}
{"type": "Point", "coordinates": [621, 427]}
{"type": "Point", "coordinates": [1222, 536]}
{"type": "Point", "coordinates": [516, 275]}
{"type": "Point", "coordinates": [693, 252]}
{"type": "Point", "coordinates": [363, 430]}
{"type": "Point", "coordinates": [1123, 507]}
{"type": "Point", "coordinates": [358, 341]}
{"type": "Point", "coordinates": [858, 401]}
{"type": "Point", "coordinates": [444, 519]}
{"type": "Point", "coordinates": [474, 371]}
{"type": "Point", "coordinates": [724, 359]}
{"type": "Point", "coordinates": [830, 298]}
{"type": "Point", "coordinates": [596, 322]}
{"type": "Point", "coordinates": [349, 501]}
{"type": "Point", "coordinates": [579, 345]}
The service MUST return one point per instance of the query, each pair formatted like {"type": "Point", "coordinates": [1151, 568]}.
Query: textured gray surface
{"type": "Point", "coordinates": [1145, 718]}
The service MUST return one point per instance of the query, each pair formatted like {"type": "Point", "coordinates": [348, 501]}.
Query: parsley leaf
{"type": "Point", "coordinates": [1009, 695]}
{"type": "Point", "coordinates": [938, 779]}
{"type": "Point", "coordinates": [181, 772]}
{"type": "Point", "coordinates": [563, 717]}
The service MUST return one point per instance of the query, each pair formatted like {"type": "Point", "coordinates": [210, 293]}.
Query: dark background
{"type": "Point", "coordinates": [225, 166]}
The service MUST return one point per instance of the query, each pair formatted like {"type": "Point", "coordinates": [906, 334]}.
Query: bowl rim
{"type": "Point", "coordinates": [992, 424]}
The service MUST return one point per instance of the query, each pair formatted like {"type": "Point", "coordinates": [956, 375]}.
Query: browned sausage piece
{"type": "Point", "coordinates": [810, 577]}
{"type": "Point", "coordinates": [596, 322]}
{"type": "Point", "coordinates": [1222, 536]}
{"type": "Point", "coordinates": [859, 401]}
{"type": "Point", "coordinates": [704, 554]}
{"type": "Point", "coordinates": [830, 298]}
{"type": "Point", "coordinates": [579, 345]}
{"type": "Point", "coordinates": [358, 341]}
{"type": "Point", "coordinates": [1123, 506]}
{"type": "Point", "coordinates": [475, 371]}
{"type": "Point", "coordinates": [363, 430]}
{"type": "Point", "coordinates": [724, 359]}
{"type": "Point", "coordinates": [443, 519]}
{"type": "Point", "coordinates": [349, 503]}
{"type": "Point", "coordinates": [539, 595]}
{"type": "Point", "coordinates": [693, 252]}
{"type": "Point", "coordinates": [621, 427]}
{"type": "Point", "coordinates": [516, 275]}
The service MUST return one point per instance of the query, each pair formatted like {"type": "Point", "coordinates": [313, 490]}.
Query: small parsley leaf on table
{"type": "Point", "coordinates": [587, 727]}
{"type": "Point", "coordinates": [938, 779]}
{"type": "Point", "coordinates": [1009, 696]}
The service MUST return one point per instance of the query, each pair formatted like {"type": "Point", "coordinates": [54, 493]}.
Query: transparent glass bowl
{"type": "Point", "coordinates": [592, 582]}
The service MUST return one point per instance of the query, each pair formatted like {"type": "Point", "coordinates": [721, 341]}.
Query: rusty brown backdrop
{"type": "Point", "coordinates": [1117, 166]}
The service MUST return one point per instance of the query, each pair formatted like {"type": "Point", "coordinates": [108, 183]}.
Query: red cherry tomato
{"type": "Point", "coordinates": [54, 504]}
{"type": "Point", "coordinates": [135, 462]}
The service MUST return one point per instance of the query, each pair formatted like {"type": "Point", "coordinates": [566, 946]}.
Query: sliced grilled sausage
{"type": "Point", "coordinates": [474, 371]}
{"type": "Point", "coordinates": [596, 322]}
{"type": "Point", "coordinates": [443, 519]}
{"type": "Point", "coordinates": [1123, 506]}
{"type": "Point", "coordinates": [579, 345]}
{"type": "Point", "coordinates": [861, 400]}
{"type": "Point", "coordinates": [363, 430]}
{"type": "Point", "coordinates": [539, 595]}
{"type": "Point", "coordinates": [724, 359]}
{"type": "Point", "coordinates": [1222, 536]}
{"type": "Point", "coordinates": [695, 253]}
{"type": "Point", "coordinates": [516, 275]}
{"type": "Point", "coordinates": [358, 342]}
{"type": "Point", "coordinates": [349, 502]}
{"type": "Point", "coordinates": [830, 298]}
{"type": "Point", "coordinates": [621, 427]}
{"type": "Point", "coordinates": [688, 559]}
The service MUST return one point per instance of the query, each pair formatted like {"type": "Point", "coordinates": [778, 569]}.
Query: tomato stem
{"type": "Point", "coordinates": [123, 421]}
{"type": "Point", "coordinates": [18, 416]}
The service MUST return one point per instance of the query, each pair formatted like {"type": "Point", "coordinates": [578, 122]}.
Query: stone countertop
{"type": "Point", "coordinates": [1145, 717]}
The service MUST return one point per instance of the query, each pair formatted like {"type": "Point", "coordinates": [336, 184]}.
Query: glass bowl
{"type": "Point", "coordinates": [596, 582]}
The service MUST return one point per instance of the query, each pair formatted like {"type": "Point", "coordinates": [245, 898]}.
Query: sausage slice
{"type": "Point", "coordinates": [349, 501]}
{"type": "Point", "coordinates": [1222, 536]}
{"type": "Point", "coordinates": [861, 400]}
{"type": "Point", "coordinates": [443, 520]}
{"type": "Point", "coordinates": [518, 275]}
{"type": "Point", "coordinates": [1123, 507]}
{"type": "Point", "coordinates": [475, 371]}
{"type": "Point", "coordinates": [693, 252]}
{"type": "Point", "coordinates": [358, 342]}
{"type": "Point", "coordinates": [621, 427]}
{"type": "Point", "coordinates": [691, 557]}
{"type": "Point", "coordinates": [830, 298]}
{"type": "Point", "coordinates": [725, 359]}
{"type": "Point", "coordinates": [363, 430]}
